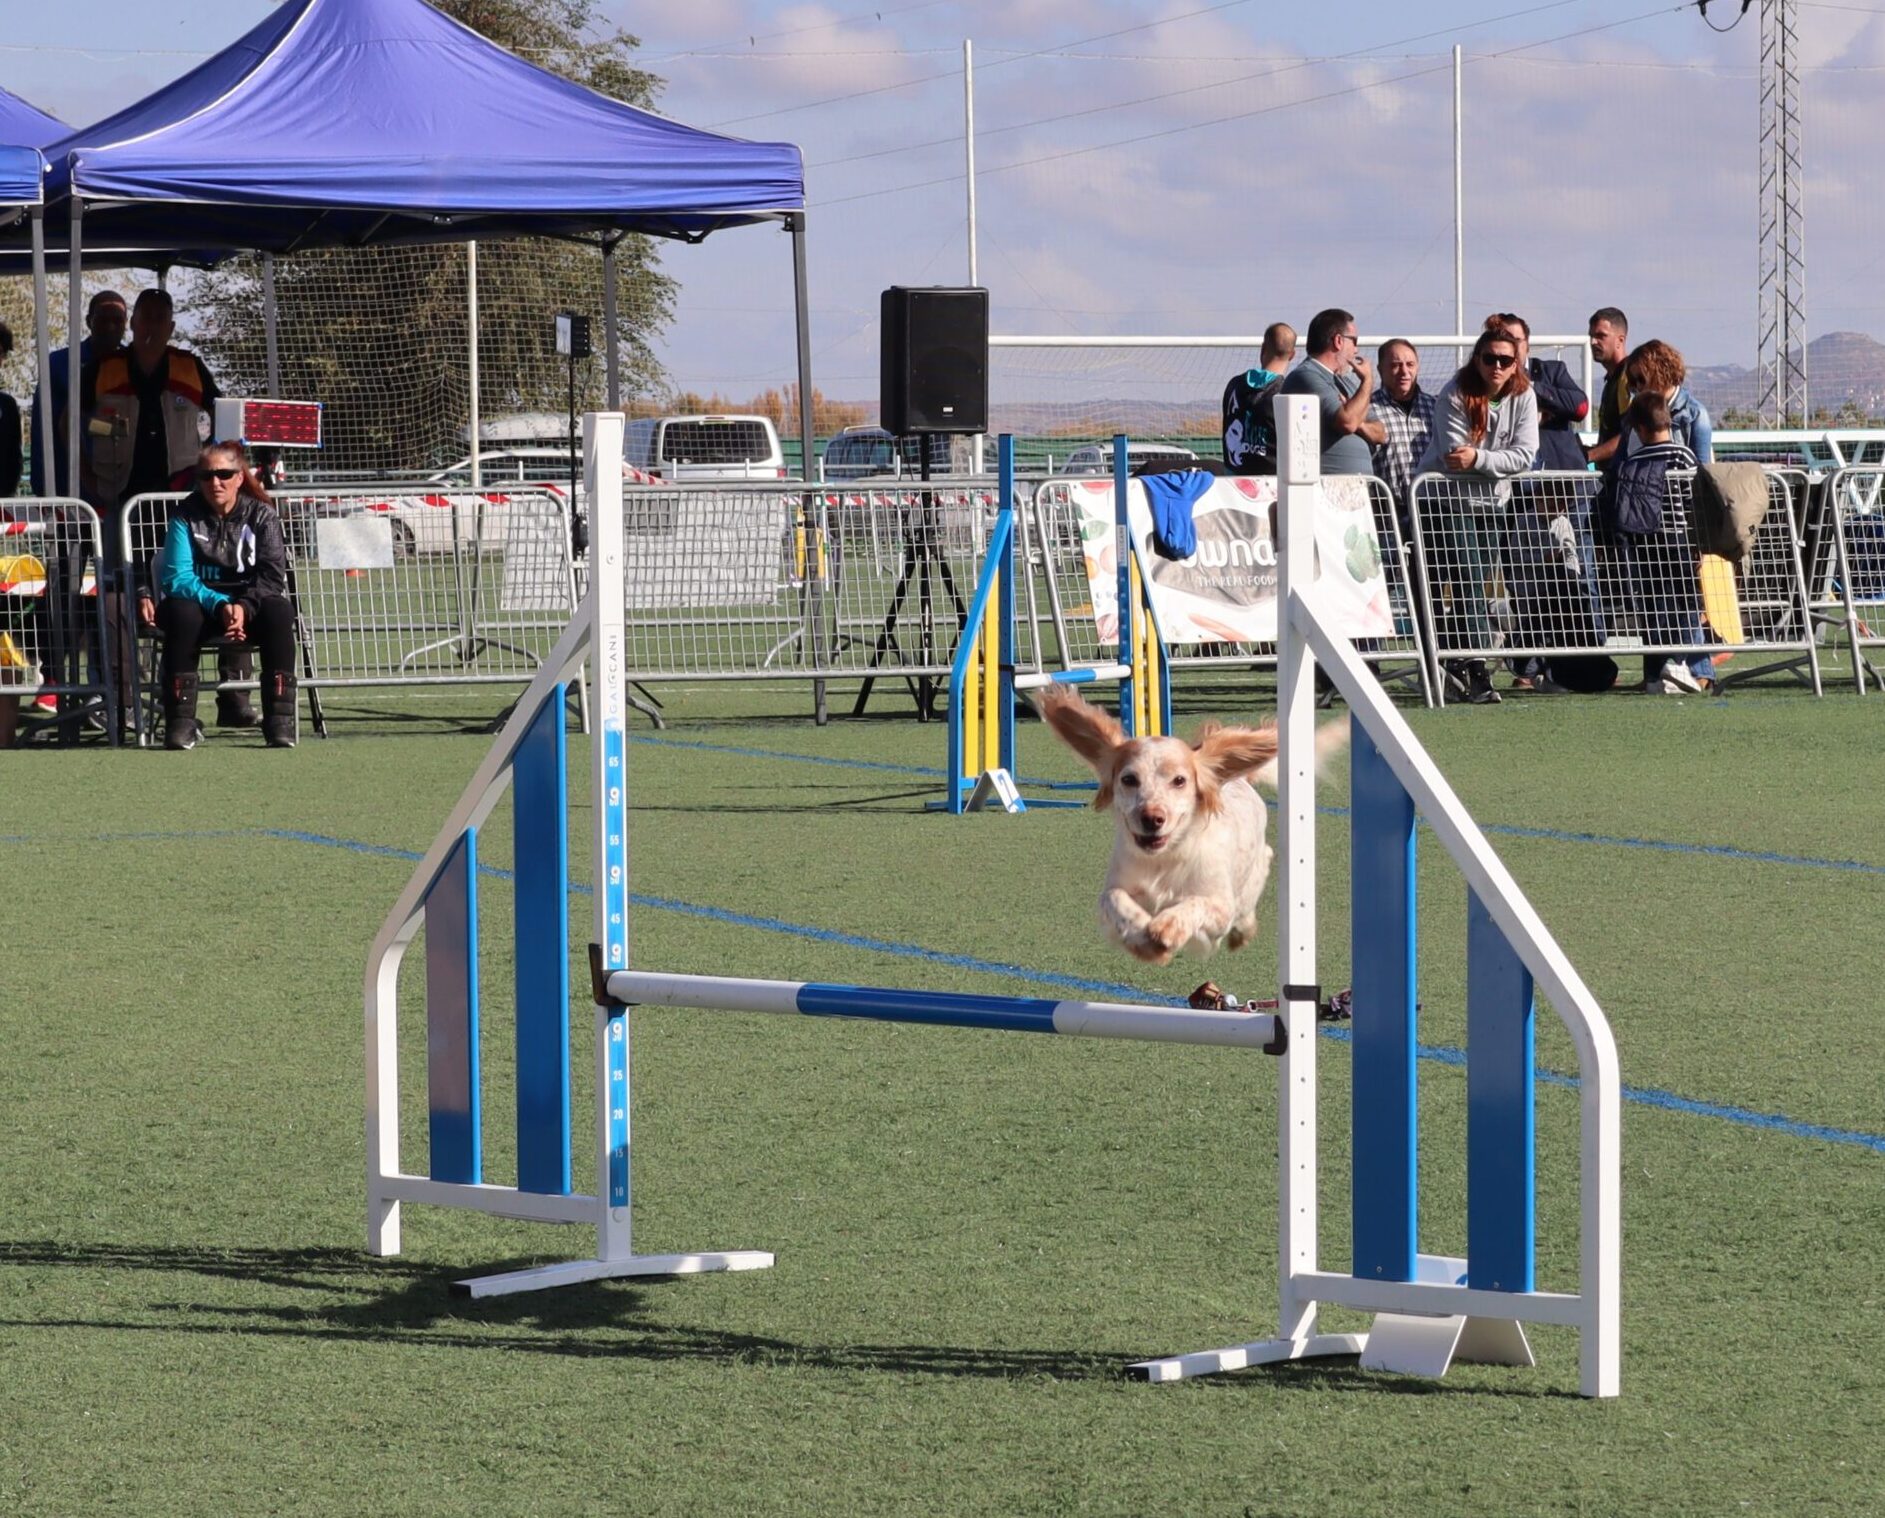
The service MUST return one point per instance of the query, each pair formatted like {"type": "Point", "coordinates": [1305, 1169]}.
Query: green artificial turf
{"type": "Point", "coordinates": [974, 1231]}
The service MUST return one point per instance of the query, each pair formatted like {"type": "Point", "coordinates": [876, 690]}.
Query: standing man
{"type": "Point", "coordinates": [1404, 412]}
{"type": "Point", "coordinates": [1342, 383]}
{"type": "Point", "coordinates": [1610, 345]}
{"type": "Point", "coordinates": [105, 320]}
{"type": "Point", "coordinates": [11, 458]}
{"type": "Point", "coordinates": [148, 410]}
{"type": "Point", "coordinates": [1250, 405]}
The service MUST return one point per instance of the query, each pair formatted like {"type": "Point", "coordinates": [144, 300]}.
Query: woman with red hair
{"type": "Point", "coordinates": [1485, 430]}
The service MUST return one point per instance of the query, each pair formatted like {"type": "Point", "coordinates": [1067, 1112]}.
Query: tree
{"type": "Point", "coordinates": [379, 335]}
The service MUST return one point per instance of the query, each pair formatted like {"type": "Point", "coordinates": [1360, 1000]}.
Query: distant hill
{"type": "Point", "coordinates": [1840, 367]}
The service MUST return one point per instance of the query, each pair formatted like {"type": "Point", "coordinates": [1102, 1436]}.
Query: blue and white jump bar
{"type": "Point", "coordinates": [946, 1009]}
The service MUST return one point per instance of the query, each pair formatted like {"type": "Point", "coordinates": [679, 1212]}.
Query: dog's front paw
{"type": "Point", "coordinates": [1168, 932]}
{"type": "Point", "coordinates": [1151, 952]}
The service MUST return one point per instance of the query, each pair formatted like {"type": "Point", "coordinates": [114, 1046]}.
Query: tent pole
{"type": "Point", "coordinates": [75, 326]}
{"type": "Point", "coordinates": [471, 360]}
{"type": "Point", "coordinates": [611, 349]}
{"type": "Point", "coordinates": [270, 319]}
{"type": "Point", "coordinates": [43, 445]}
{"type": "Point", "coordinates": [802, 307]}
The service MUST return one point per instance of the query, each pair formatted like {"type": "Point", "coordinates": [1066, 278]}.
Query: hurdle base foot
{"type": "Point", "coordinates": [1212, 1362]}
{"type": "Point", "coordinates": [1407, 1345]}
{"type": "Point", "coordinates": [998, 786]}
{"type": "Point", "coordinates": [574, 1272]}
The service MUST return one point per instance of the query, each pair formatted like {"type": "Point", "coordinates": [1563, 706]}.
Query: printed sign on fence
{"type": "Point", "coordinates": [1225, 592]}
{"type": "Point", "coordinates": [359, 542]}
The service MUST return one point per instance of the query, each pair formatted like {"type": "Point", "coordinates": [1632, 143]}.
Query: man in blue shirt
{"type": "Point", "coordinates": [105, 319]}
{"type": "Point", "coordinates": [1342, 381]}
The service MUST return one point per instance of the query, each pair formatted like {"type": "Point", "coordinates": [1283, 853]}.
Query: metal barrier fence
{"type": "Point", "coordinates": [767, 581]}
{"type": "Point", "coordinates": [407, 584]}
{"type": "Point", "coordinates": [53, 629]}
{"type": "Point", "coordinates": [1518, 570]}
{"type": "Point", "coordinates": [1057, 626]}
{"type": "Point", "coordinates": [1856, 498]}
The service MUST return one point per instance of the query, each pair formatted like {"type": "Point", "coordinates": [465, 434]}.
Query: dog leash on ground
{"type": "Point", "coordinates": [1209, 997]}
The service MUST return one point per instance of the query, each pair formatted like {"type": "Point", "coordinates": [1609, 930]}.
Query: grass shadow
{"type": "Point", "coordinates": [397, 1300]}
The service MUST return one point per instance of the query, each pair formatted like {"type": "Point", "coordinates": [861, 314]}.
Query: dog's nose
{"type": "Point", "coordinates": [1152, 819]}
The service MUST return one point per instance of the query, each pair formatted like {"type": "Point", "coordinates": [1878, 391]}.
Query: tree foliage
{"type": "Point", "coordinates": [380, 335]}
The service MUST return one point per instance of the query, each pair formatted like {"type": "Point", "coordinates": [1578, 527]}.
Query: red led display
{"type": "Point", "coordinates": [282, 424]}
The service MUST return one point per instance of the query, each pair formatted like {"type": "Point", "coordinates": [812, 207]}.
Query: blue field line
{"type": "Point", "coordinates": [1441, 1054]}
{"type": "Point", "coordinates": [1502, 829]}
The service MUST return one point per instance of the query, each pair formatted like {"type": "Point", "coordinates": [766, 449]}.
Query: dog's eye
{"type": "Point", "coordinates": [1178, 782]}
{"type": "Point", "coordinates": [1129, 780]}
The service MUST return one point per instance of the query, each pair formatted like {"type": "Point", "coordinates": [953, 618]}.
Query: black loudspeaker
{"type": "Point", "coordinates": [935, 360]}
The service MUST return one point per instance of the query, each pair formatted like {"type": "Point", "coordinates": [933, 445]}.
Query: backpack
{"type": "Point", "coordinates": [1250, 422]}
{"type": "Point", "coordinates": [1729, 504]}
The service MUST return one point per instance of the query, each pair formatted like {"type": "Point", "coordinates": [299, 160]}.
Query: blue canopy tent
{"type": "Point", "coordinates": [353, 123]}
{"type": "Point", "coordinates": [24, 129]}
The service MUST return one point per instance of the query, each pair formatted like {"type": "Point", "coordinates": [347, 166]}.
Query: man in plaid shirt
{"type": "Point", "coordinates": [1406, 412]}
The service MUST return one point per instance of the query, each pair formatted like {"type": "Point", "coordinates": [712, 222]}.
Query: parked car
{"type": "Point", "coordinates": [859, 453]}
{"type": "Point", "coordinates": [678, 448]}
{"type": "Point", "coordinates": [1097, 458]}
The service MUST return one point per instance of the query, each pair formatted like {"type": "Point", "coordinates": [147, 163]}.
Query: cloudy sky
{"type": "Point", "coordinates": [1195, 166]}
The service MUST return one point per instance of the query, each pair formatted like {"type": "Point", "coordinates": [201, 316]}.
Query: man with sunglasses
{"type": "Point", "coordinates": [225, 574]}
{"type": "Point", "coordinates": [1342, 381]}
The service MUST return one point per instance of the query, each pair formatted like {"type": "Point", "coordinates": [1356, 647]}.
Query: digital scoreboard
{"type": "Point", "coordinates": [270, 424]}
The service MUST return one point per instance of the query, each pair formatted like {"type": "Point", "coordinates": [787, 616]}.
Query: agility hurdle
{"type": "Point", "coordinates": [1428, 1308]}
{"type": "Point", "coordinates": [984, 680]}
{"type": "Point", "coordinates": [530, 757]}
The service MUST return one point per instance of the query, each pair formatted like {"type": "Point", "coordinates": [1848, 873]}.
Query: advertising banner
{"type": "Point", "coordinates": [1224, 591]}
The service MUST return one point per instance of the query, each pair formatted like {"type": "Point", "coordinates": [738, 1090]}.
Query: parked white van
{"type": "Point", "coordinates": [705, 447]}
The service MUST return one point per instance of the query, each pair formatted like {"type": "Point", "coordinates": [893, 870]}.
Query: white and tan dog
{"type": "Point", "coordinates": [1190, 846]}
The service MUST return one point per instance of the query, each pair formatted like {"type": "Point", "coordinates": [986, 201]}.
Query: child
{"type": "Point", "coordinates": [1655, 551]}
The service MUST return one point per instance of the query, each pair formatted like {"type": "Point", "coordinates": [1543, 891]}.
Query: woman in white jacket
{"type": "Point", "coordinates": [1485, 430]}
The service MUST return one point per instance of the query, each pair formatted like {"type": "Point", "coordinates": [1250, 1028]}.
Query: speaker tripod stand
{"type": "Point", "coordinates": [925, 565]}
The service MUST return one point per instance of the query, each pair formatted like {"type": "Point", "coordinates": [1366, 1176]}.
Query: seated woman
{"type": "Point", "coordinates": [225, 574]}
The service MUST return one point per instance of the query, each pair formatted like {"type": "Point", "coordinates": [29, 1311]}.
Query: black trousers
{"type": "Point", "coordinates": [186, 627]}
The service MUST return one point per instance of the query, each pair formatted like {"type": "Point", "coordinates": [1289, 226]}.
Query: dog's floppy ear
{"type": "Point", "coordinates": [1094, 735]}
{"type": "Point", "coordinates": [1091, 733]}
{"type": "Point", "coordinates": [1224, 753]}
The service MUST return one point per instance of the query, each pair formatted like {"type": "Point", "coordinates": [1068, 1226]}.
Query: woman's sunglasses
{"type": "Point", "coordinates": [1497, 360]}
{"type": "Point", "coordinates": [206, 475]}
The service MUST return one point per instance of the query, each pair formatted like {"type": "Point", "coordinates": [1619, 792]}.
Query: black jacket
{"type": "Point", "coordinates": [210, 559]}
{"type": "Point", "coordinates": [11, 457]}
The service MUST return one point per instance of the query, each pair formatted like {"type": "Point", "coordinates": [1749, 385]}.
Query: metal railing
{"type": "Point", "coordinates": [407, 584]}
{"type": "Point", "coordinates": [1519, 570]}
{"type": "Point", "coordinates": [1856, 501]}
{"type": "Point", "coordinates": [53, 622]}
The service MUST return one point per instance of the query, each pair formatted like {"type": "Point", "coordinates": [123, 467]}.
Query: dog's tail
{"type": "Point", "coordinates": [1331, 739]}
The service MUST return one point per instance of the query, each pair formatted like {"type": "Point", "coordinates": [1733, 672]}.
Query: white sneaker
{"type": "Point", "coordinates": [1678, 679]}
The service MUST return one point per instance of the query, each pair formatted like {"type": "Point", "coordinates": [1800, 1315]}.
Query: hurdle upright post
{"type": "Point", "coordinates": [1299, 489]}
